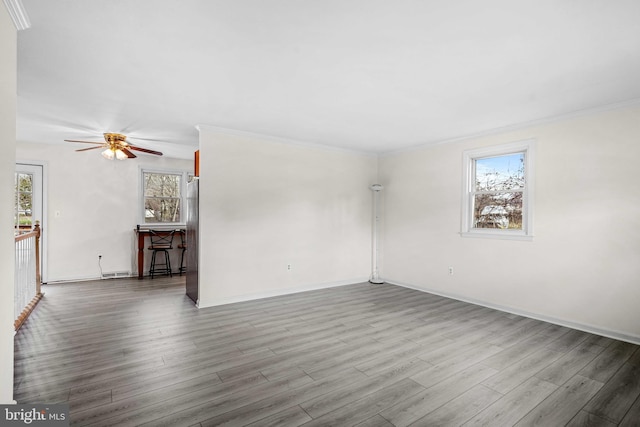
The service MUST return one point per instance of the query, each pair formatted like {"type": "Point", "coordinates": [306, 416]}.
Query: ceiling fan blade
{"type": "Point", "coordinates": [144, 150]}
{"type": "Point", "coordinates": [90, 148]}
{"type": "Point", "coordinates": [144, 139]}
{"type": "Point", "coordinates": [84, 142]}
{"type": "Point", "coordinates": [128, 153]}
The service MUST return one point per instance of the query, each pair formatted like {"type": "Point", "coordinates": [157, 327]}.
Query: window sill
{"type": "Point", "coordinates": [504, 235]}
{"type": "Point", "coordinates": [162, 226]}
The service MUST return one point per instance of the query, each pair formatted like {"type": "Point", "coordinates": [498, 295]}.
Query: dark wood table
{"type": "Point", "coordinates": [142, 233]}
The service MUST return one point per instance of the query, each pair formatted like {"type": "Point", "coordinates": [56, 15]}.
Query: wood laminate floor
{"type": "Point", "coordinates": [125, 352]}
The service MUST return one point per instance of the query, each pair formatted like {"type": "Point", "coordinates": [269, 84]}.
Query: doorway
{"type": "Point", "coordinates": [29, 205]}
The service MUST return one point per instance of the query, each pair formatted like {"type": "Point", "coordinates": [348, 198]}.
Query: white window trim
{"type": "Point", "coordinates": [467, 230]}
{"type": "Point", "coordinates": [183, 197]}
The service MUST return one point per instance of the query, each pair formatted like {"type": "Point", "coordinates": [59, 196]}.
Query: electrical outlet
{"type": "Point", "coordinates": [450, 271]}
{"type": "Point", "coordinates": [99, 256]}
{"type": "Point", "coordinates": [288, 267]}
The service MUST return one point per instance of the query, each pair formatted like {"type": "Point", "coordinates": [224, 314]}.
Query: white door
{"type": "Point", "coordinates": [29, 204]}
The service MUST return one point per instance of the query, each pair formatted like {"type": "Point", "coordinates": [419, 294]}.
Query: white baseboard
{"type": "Point", "coordinates": [278, 292]}
{"type": "Point", "coordinates": [71, 279]}
{"type": "Point", "coordinates": [621, 336]}
{"type": "Point", "coordinates": [105, 276]}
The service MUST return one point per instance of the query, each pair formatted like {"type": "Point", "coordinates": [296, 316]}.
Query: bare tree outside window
{"type": "Point", "coordinates": [498, 192]}
{"type": "Point", "coordinates": [162, 197]}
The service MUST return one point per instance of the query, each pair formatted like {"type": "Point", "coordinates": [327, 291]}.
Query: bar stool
{"type": "Point", "coordinates": [183, 246]}
{"type": "Point", "coordinates": [161, 241]}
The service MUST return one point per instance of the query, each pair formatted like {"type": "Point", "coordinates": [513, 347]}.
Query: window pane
{"type": "Point", "coordinates": [161, 185]}
{"type": "Point", "coordinates": [161, 210]}
{"type": "Point", "coordinates": [25, 182]}
{"type": "Point", "coordinates": [500, 173]}
{"type": "Point", "coordinates": [24, 220]}
{"type": "Point", "coordinates": [501, 210]}
{"type": "Point", "coordinates": [23, 200]}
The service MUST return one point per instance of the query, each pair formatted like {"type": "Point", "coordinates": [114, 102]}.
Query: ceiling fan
{"type": "Point", "coordinates": [116, 146]}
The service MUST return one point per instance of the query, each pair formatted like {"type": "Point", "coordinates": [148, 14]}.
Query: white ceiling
{"type": "Point", "coordinates": [370, 75]}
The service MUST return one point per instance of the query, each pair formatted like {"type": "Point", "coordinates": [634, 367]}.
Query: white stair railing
{"type": "Point", "coordinates": [27, 274]}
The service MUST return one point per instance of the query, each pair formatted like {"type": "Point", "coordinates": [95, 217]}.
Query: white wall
{"type": "Point", "coordinates": [98, 202]}
{"type": "Point", "coordinates": [8, 69]}
{"type": "Point", "coordinates": [582, 268]}
{"type": "Point", "coordinates": [265, 204]}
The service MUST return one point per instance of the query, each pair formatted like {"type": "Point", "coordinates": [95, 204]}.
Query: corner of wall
{"type": "Point", "coordinates": [8, 97]}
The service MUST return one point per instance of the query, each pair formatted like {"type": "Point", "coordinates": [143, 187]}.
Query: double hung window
{"type": "Point", "coordinates": [163, 197]}
{"type": "Point", "coordinates": [498, 192]}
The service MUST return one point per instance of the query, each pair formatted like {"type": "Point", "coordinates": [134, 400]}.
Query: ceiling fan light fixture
{"type": "Point", "coordinates": [120, 155]}
{"type": "Point", "coordinates": [108, 154]}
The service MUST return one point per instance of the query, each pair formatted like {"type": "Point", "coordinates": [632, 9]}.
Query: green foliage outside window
{"type": "Point", "coordinates": [23, 200]}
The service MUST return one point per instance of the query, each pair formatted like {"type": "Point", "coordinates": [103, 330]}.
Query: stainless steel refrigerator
{"type": "Point", "coordinates": [192, 239]}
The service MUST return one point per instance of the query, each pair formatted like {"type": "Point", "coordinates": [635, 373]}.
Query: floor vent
{"type": "Point", "coordinates": [115, 274]}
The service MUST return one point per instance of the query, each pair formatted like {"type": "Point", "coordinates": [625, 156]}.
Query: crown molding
{"type": "Point", "coordinates": [631, 103]}
{"type": "Point", "coordinates": [280, 140]}
{"type": "Point", "coordinates": [18, 14]}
